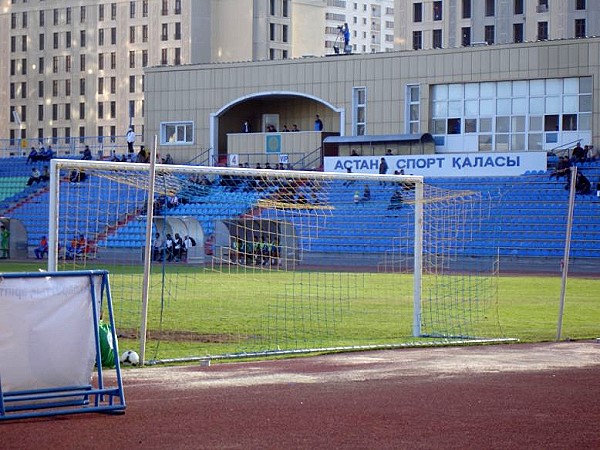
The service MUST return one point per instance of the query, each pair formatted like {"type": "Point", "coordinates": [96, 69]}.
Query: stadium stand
{"type": "Point", "coordinates": [526, 214]}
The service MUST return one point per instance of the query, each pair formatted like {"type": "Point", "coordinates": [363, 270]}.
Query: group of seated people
{"type": "Point", "coordinates": [579, 154]}
{"type": "Point", "coordinates": [172, 248]}
{"type": "Point", "coordinates": [587, 153]}
{"type": "Point", "coordinates": [43, 154]}
{"type": "Point", "coordinates": [78, 247]}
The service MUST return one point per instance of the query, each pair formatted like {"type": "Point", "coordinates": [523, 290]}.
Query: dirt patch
{"type": "Point", "coordinates": [182, 336]}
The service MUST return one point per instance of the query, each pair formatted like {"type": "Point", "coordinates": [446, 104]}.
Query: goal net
{"type": "Point", "coordinates": [251, 262]}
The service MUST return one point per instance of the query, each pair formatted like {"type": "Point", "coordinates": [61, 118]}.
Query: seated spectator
{"type": "Point", "coordinates": [579, 154]}
{"type": "Point", "coordinates": [45, 176]}
{"type": "Point", "coordinates": [77, 247]}
{"type": "Point", "coordinates": [593, 154]}
{"type": "Point", "coordinates": [295, 128]}
{"type": "Point", "coordinates": [168, 159]}
{"type": "Point", "coordinates": [395, 201]}
{"type": "Point", "coordinates": [582, 184]}
{"type": "Point", "coordinates": [41, 249]}
{"type": "Point", "coordinates": [45, 154]}
{"type": "Point", "coordinates": [388, 152]}
{"type": "Point", "coordinates": [354, 152]}
{"type": "Point", "coordinates": [170, 247]}
{"type": "Point", "coordinates": [76, 176]}
{"type": "Point", "coordinates": [87, 153]}
{"type": "Point", "coordinates": [141, 156]}
{"type": "Point", "coordinates": [33, 156]}
{"type": "Point", "coordinates": [563, 167]}
{"type": "Point", "coordinates": [34, 178]}
{"type": "Point", "coordinates": [366, 194]}
{"type": "Point", "coordinates": [285, 129]}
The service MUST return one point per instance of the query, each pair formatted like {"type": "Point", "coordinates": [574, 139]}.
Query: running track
{"type": "Point", "coordinates": [540, 396]}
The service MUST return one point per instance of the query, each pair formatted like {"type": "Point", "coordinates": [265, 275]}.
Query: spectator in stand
{"type": "Point", "coordinates": [45, 176]}
{"type": "Point", "coordinates": [42, 248]}
{"type": "Point", "coordinates": [366, 193]}
{"type": "Point", "coordinates": [388, 152]}
{"type": "Point", "coordinates": [579, 153]}
{"type": "Point", "coordinates": [295, 128]}
{"type": "Point", "coordinates": [32, 157]}
{"type": "Point", "coordinates": [285, 129]}
{"type": "Point", "coordinates": [87, 154]}
{"type": "Point", "coordinates": [246, 127]}
{"type": "Point", "coordinates": [46, 154]}
{"type": "Point", "coordinates": [582, 184]}
{"type": "Point", "coordinates": [593, 154]}
{"type": "Point", "coordinates": [168, 159]}
{"type": "Point", "coordinates": [395, 201]}
{"type": "Point", "coordinates": [34, 178]}
{"type": "Point", "coordinates": [598, 189]}
{"type": "Point", "coordinates": [141, 156]}
{"type": "Point", "coordinates": [563, 167]}
{"type": "Point", "coordinates": [383, 168]}
{"type": "Point", "coordinates": [318, 123]}
{"type": "Point", "coordinates": [130, 138]}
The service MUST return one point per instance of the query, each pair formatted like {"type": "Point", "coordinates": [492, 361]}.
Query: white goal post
{"type": "Point", "coordinates": [323, 251]}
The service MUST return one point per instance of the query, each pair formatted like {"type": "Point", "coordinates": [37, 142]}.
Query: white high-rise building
{"type": "Point", "coordinates": [371, 25]}
{"type": "Point", "coordinates": [460, 23]}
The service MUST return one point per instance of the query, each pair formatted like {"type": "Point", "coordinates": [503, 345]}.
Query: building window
{"type": "Point", "coordinates": [418, 12]}
{"type": "Point", "coordinates": [67, 111]}
{"type": "Point", "coordinates": [542, 34]}
{"type": "Point", "coordinates": [69, 15]}
{"type": "Point", "coordinates": [68, 39]}
{"type": "Point", "coordinates": [100, 12]}
{"type": "Point", "coordinates": [113, 85]}
{"type": "Point", "coordinates": [100, 86]}
{"type": "Point", "coordinates": [284, 33]}
{"type": "Point", "coordinates": [82, 86]}
{"type": "Point", "coordinates": [55, 16]}
{"type": "Point", "coordinates": [580, 28]}
{"type": "Point", "coordinates": [437, 38]}
{"type": "Point", "coordinates": [178, 7]}
{"type": "Point", "coordinates": [41, 65]}
{"type": "Point", "coordinates": [165, 8]}
{"type": "Point", "coordinates": [68, 88]}
{"type": "Point", "coordinates": [145, 8]}
{"type": "Point", "coordinates": [24, 43]}
{"type": "Point", "coordinates": [113, 110]}
{"type": "Point", "coordinates": [178, 31]}
{"type": "Point", "coordinates": [113, 11]}
{"type": "Point", "coordinates": [13, 21]}
{"type": "Point", "coordinates": [54, 88]}
{"type": "Point", "coordinates": [40, 89]}
{"type": "Point", "coordinates": [177, 59]}
{"type": "Point", "coordinates": [82, 14]}
{"type": "Point", "coordinates": [55, 40]}
{"type": "Point", "coordinates": [417, 40]}
{"type": "Point", "coordinates": [131, 84]}
{"type": "Point", "coordinates": [82, 63]}
{"type": "Point", "coordinates": [359, 111]}
{"type": "Point", "coordinates": [580, 5]}
{"type": "Point", "coordinates": [413, 109]}
{"type": "Point", "coordinates": [176, 133]}
{"type": "Point", "coordinates": [437, 10]}
{"type": "Point", "coordinates": [82, 110]}
{"type": "Point", "coordinates": [518, 32]}
{"type": "Point", "coordinates": [100, 61]}
{"type": "Point", "coordinates": [55, 64]}
{"type": "Point", "coordinates": [132, 59]}
{"type": "Point", "coordinates": [68, 63]}
{"type": "Point", "coordinates": [42, 20]}
{"type": "Point", "coordinates": [113, 36]}
{"type": "Point", "coordinates": [40, 113]}
{"type": "Point", "coordinates": [82, 38]}
{"type": "Point", "coordinates": [163, 56]}
{"type": "Point", "coordinates": [284, 8]}
{"type": "Point", "coordinates": [132, 35]}
{"type": "Point", "coordinates": [144, 58]}
{"type": "Point", "coordinates": [489, 34]}
{"type": "Point", "coordinates": [272, 7]}
{"type": "Point", "coordinates": [132, 10]}
{"type": "Point", "coordinates": [271, 31]}
{"type": "Point", "coordinates": [101, 36]}
{"type": "Point", "coordinates": [100, 110]}
{"type": "Point", "coordinates": [113, 60]}
{"type": "Point", "coordinates": [490, 8]}
{"type": "Point", "coordinates": [24, 20]}
{"type": "Point", "coordinates": [165, 32]}
{"type": "Point", "coordinates": [24, 66]}
{"type": "Point", "coordinates": [131, 108]}
{"type": "Point", "coordinates": [466, 36]}
{"type": "Point", "coordinates": [144, 33]}
{"type": "Point", "coordinates": [518, 6]}
{"type": "Point", "coordinates": [54, 111]}
{"type": "Point", "coordinates": [41, 46]}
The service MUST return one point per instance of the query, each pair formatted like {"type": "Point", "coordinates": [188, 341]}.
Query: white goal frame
{"type": "Point", "coordinates": [58, 165]}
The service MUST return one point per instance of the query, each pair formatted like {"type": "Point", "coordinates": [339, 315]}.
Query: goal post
{"type": "Point", "coordinates": [275, 260]}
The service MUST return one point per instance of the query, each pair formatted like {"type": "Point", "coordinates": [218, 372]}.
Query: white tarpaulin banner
{"type": "Point", "coordinates": [47, 331]}
{"type": "Point", "coordinates": [444, 165]}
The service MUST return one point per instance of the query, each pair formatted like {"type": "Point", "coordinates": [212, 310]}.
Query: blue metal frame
{"type": "Point", "coordinates": [62, 400]}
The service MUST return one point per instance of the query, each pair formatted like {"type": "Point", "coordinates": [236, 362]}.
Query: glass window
{"type": "Point", "coordinates": [537, 87]}
{"type": "Point", "coordinates": [503, 106]}
{"type": "Point", "coordinates": [440, 92]}
{"type": "Point", "coordinates": [585, 103]}
{"type": "Point", "coordinates": [585, 122]}
{"type": "Point", "coordinates": [177, 133]}
{"type": "Point", "coordinates": [570, 103]}
{"type": "Point", "coordinates": [585, 85]}
{"type": "Point", "coordinates": [487, 90]}
{"type": "Point", "coordinates": [517, 124]}
{"type": "Point", "coordinates": [571, 85]}
{"type": "Point", "coordinates": [502, 124]}
{"type": "Point", "coordinates": [440, 109]}
{"type": "Point", "coordinates": [554, 86]}
{"type": "Point", "coordinates": [536, 105]}
{"type": "Point", "coordinates": [439, 126]}
{"type": "Point", "coordinates": [485, 125]}
{"type": "Point", "coordinates": [502, 142]}
{"type": "Point", "coordinates": [454, 126]}
{"type": "Point", "coordinates": [470, 125]}
{"type": "Point", "coordinates": [535, 141]}
{"type": "Point", "coordinates": [471, 108]}
{"type": "Point", "coordinates": [455, 109]}
{"type": "Point", "coordinates": [485, 142]}
{"type": "Point", "coordinates": [455, 92]}
{"type": "Point", "coordinates": [487, 107]}
{"type": "Point", "coordinates": [519, 88]}
{"type": "Point", "coordinates": [569, 122]}
{"type": "Point", "coordinates": [471, 90]}
{"type": "Point", "coordinates": [519, 106]}
{"type": "Point", "coordinates": [551, 122]}
{"type": "Point", "coordinates": [517, 143]}
{"type": "Point", "coordinates": [504, 89]}
{"type": "Point", "coordinates": [553, 105]}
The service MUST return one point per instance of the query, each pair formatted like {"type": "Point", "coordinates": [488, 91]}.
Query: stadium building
{"type": "Point", "coordinates": [529, 97]}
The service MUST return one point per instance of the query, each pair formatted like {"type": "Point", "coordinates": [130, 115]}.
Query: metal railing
{"type": "Point", "coordinates": [101, 146]}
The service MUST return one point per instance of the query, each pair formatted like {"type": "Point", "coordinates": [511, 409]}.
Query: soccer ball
{"type": "Point", "coordinates": [130, 358]}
